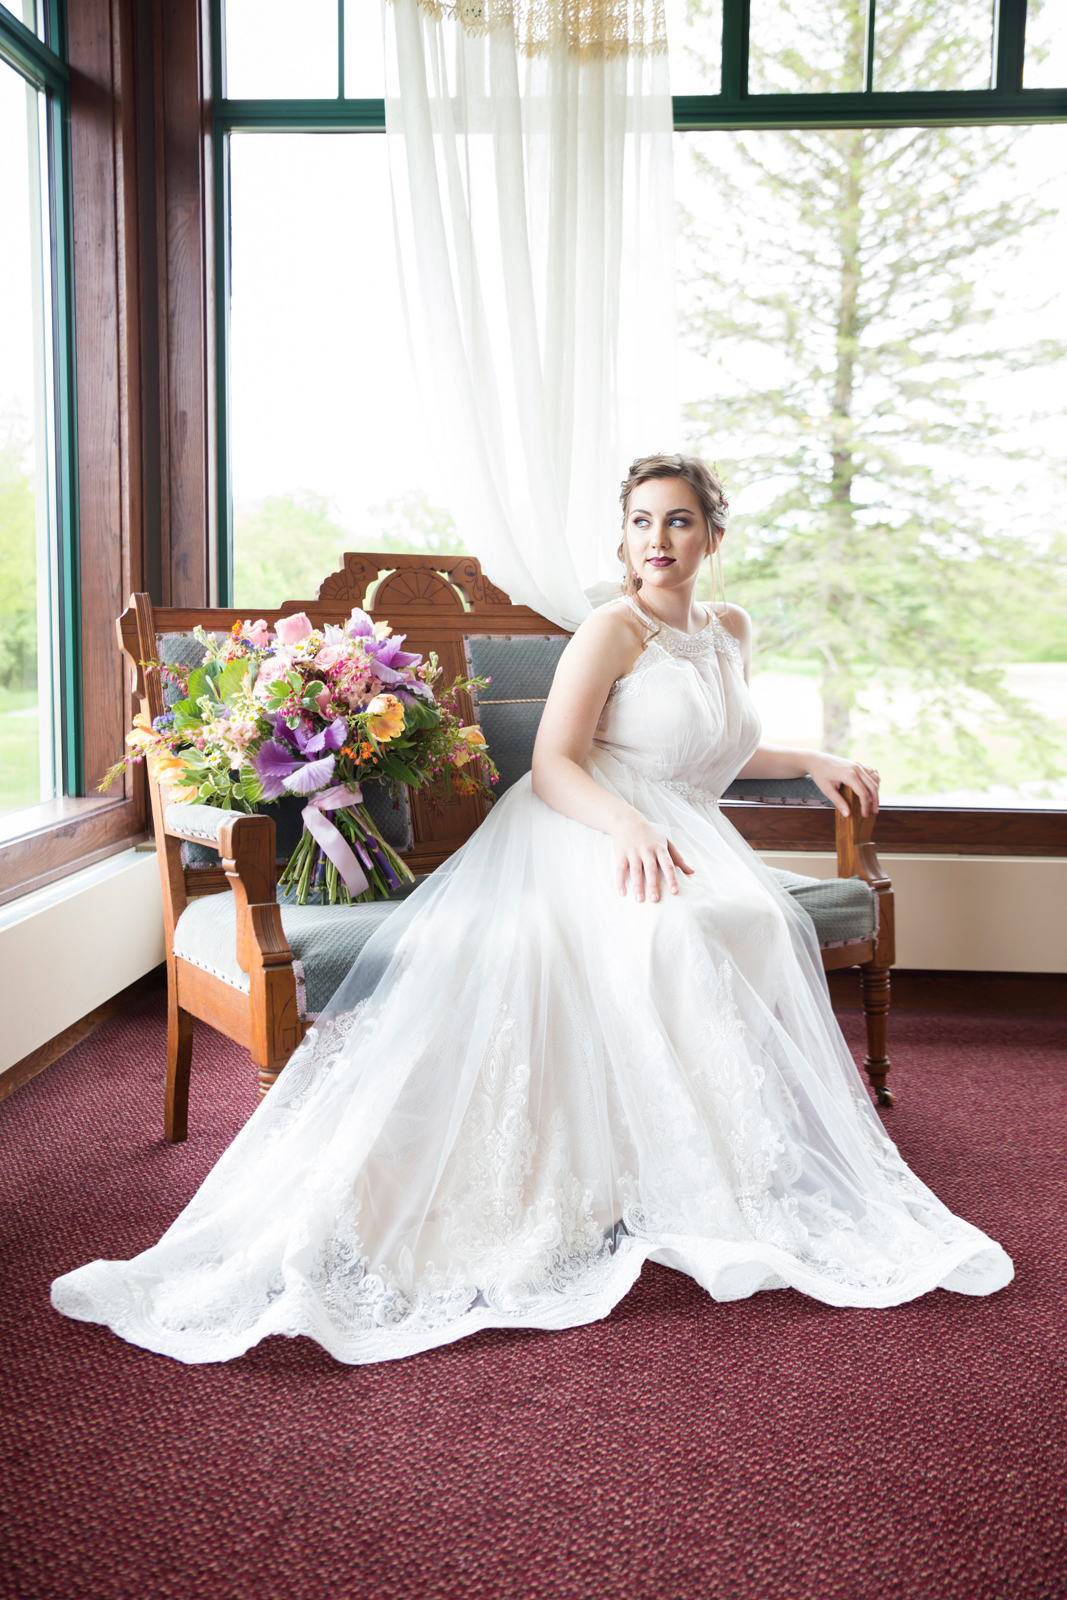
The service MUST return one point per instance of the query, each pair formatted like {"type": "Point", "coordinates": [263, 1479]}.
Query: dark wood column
{"type": "Point", "coordinates": [108, 340]}
{"type": "Point", "coordinates": [144, 317]}
{"type": "Point", "coordinates": [186, 276]}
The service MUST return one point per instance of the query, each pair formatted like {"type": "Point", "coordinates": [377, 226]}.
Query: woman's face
{"type": "Point", "coordinates": [666, 534]}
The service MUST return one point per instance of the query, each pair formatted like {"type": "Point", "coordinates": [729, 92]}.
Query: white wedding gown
{"type": "Point", "coordinates": [528, 1086]}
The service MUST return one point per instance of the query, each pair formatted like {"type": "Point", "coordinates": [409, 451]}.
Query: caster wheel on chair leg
{"type": "Point", "coordinates": [885, 1097]}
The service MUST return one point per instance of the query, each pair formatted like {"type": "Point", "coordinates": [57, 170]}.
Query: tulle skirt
{"type": "Point", "coordinates": [528, 1086]}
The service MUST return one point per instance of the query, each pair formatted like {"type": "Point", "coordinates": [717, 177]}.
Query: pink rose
{"type": "Point", "coordinates": [291, 630]}
{"type": "Point", "coordinates": [275, 666]}
{"type": "Point", "coordinates": [323, 701]}
{"type": "Point", "coordinates": [328, 656]}
{"type": "Point", "coordinates": [257, 632]}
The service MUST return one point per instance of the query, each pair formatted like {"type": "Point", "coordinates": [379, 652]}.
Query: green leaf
{"type": "Point", "coordinates": [250, 784]}
{"type": "Point", "coordinates": [187, 714]}
{"type": "Point", "coordinates": [419, 716]}
{"type": "Point", "coordinates": [199, 684]}
{"type": "Point", "coordinates": [392, 767]}
{"type": "Point", "coordinates": [232, 681]}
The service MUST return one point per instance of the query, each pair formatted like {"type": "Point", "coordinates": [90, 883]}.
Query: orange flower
{"type": "Point", "coordinates": [473, 741]}
{"type": "Point", "coordinates": [386, 717]}
{"type": "Point", "coordinates": [164, 766]}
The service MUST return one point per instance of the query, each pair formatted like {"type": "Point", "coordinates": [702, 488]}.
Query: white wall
{"type": "Point", "coordinates": [70, 946]}
{"type": "Point", "coordinates": [968, 913]}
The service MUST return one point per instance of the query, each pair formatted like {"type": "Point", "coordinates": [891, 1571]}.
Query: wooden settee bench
{"type": "Point", "coordinates": [257, 969]}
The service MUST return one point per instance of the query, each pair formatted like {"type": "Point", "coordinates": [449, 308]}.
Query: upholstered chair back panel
{"type": "Point", "coordinates": [509, 709]}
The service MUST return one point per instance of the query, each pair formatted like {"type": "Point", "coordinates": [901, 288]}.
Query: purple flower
{"type": "Point", "coordinates": [305, 743]}
{"type": "Point", "coordinates": [412, 687]}
{"type": "Point", "coordinates": [359, 625]}
{"type": "Point", "coordinates": [298, 761]}
{"type": "Point", "coordinates": [310, 776]}
{"type": "Point", "coordinates": [387, 653]}
{"type": "Point", "coordinates": [273, 765]}
{"type": "Point", "coordinates": [331, 738]}
{"type": "Point", "coordinates": [389, 658]}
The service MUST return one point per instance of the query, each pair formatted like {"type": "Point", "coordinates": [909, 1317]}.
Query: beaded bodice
{"type": "Point", "coordinates": [683, 714]}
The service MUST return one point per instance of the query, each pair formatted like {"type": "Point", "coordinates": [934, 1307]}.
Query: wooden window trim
{"type": "Point", "coordinates": [63, 836]}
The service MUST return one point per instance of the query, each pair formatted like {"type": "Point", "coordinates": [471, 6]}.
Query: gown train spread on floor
{"type": "Point", "coordinates": [528, 1086]}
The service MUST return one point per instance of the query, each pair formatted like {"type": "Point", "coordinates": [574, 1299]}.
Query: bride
{"type": "Point", "coordinates": [600, 1034]}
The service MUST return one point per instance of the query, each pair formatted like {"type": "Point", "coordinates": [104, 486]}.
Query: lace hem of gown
{"type": "Point", "coordinates": [519, 1229]}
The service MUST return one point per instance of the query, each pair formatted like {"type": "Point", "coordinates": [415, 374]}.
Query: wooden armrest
{"type": "Point", "coordinates": [856, 852]}
{"type": "Point", "coordinates": [246, 849]}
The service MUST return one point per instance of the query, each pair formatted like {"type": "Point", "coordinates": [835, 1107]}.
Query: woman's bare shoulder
{"type": "Point", "coordinates": [611, 636]}
{"type": "Point", "coordinates": [613, 624]}
{"type": "Point", "coordinates": [735, 619]}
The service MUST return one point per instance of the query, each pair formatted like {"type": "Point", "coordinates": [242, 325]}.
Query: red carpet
{"type": "Point", "coordinates": [772, 1449]}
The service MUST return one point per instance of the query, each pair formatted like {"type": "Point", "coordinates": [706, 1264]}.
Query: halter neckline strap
{"type": "Point", "coordinates": [658, 621]}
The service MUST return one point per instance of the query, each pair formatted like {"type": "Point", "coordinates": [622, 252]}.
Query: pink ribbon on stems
{"type": "Point", "coordinates": [329, 839]}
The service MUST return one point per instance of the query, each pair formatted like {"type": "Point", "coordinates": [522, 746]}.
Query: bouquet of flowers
{"type": "Point", "coordinates": [314, 712]}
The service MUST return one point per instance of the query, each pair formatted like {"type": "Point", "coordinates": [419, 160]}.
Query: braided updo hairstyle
{"type": "Point", "coordinates": [705, 484]}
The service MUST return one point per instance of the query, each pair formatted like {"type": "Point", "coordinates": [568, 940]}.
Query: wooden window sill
{"type": "Point", "coordinates": [49, 841]}
{"type": "Point", "coordinates": [906, 830]}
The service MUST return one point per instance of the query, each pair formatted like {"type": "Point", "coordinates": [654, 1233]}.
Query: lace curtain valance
{"type": "Point", "coordinates": [590, 29]}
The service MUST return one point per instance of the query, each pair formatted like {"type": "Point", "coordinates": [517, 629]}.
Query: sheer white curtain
{"type": "Point", "coordinates": [530, 156]}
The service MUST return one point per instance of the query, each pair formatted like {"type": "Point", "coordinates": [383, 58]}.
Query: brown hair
{"type": "Point", "coordinates": [705, 484]}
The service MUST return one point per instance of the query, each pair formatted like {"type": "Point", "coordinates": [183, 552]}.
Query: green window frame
{"type": "Point", "coordinates": [733, 108]}
{"type": "Point", "coordinates": [43, 64]}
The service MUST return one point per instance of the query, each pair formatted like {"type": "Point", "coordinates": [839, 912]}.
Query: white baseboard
{"type": "Point", "coordinates": [67, 948]}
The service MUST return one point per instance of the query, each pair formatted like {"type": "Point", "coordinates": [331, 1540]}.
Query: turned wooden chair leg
{"type": "Point", "coordinates": [268, 1077]}
{"type": "Point", "coordinates": [179, 1061]}
{"type": "Point", "coordinates": [874, 985]}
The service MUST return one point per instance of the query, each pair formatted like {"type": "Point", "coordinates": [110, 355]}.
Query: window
{"type": "Point", "coordinates": [321, 457]}
{"type": "Point", "coordinates": [955, 453]}
{"type": "Point", "coordinates": [324, 447]}
{"type": "Point", "coordinates": [38, 697]}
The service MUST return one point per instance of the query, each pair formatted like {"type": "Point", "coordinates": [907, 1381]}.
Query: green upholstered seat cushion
{"type": "Point", "coordinates": [324, 939]}
{"type": "Point", "coordinates": [844, 910]}
{"type": "Point", "coordinates": [327, 939]}
{"type": "Point", "coordinates": [777, 791]}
